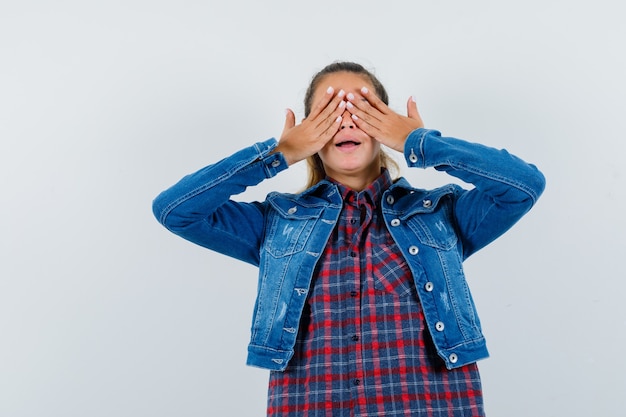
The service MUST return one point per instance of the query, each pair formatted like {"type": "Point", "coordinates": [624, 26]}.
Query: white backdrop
{"type": "Point", "coordinates": [105, 103]}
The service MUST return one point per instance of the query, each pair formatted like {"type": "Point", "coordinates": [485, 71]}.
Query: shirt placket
{"type": "Point", "coordinates": [358, 219]}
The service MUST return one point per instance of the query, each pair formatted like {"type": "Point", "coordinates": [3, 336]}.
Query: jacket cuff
{"type": "Point", "coordinates": [273, 162]}
{"type": "Point", "coordinates": [414, 147]}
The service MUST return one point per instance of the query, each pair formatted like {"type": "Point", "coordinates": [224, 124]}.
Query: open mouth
{"type": "Point", "coordinates": [347, 143]}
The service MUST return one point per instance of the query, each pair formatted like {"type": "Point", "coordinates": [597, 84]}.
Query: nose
{"type": "Point", "coordinates": [346, 120]}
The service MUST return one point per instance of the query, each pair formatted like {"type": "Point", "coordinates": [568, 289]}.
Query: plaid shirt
{"type": "Point", "coordinates": [363, 348]}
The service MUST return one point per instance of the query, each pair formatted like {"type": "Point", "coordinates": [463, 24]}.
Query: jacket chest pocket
{"type": "Point", "coordinates": [286, 237]}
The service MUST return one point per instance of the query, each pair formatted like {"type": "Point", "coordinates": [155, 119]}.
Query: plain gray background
{"type": "Point", "coordinates": [105, 103]}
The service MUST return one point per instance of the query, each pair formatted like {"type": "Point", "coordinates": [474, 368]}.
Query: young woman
{"type": "Point", "coordinates": [363, 308]}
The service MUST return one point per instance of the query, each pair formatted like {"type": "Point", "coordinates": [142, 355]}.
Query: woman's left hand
{"type": "Point", "coordinates": [376, 119]}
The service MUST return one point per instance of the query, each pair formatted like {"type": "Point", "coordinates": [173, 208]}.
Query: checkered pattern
{"type": "Point", "coordinates": [363, 348]}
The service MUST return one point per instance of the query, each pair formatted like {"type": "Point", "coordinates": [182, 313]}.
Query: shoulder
{"type": "Point", "coordinates": [404, 198]}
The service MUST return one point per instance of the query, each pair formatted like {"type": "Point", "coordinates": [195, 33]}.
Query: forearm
{"type": "Point", "coordinates": [199, 207]}
{"type": "Point", "coordinates": [506, 187]}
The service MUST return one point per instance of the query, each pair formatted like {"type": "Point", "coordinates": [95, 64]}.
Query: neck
{"type": "Point", "coordinates": [357, 182]}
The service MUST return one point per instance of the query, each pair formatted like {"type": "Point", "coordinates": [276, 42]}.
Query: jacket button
{"type": "Point", "coordinates": [390, 199]}
{"type": "Point", "coordinates": [413, 250]}
{"type": "Point", "coordinates": [427, 203]}
{"type": "Point", "coordinates": [395, 222]}
{"type": "Point", "coordinates": [413, 157]}
{"type": "Point", "coordinates": [275, 163]}
{"type": "Point", "coordinates": [292, 210]}
{"type": "Point", "coordinates": [429, 286]}
{"type": "Point", "coordinates": [453, 358]}
{"type": "Point", "coordinates": [440, 326]}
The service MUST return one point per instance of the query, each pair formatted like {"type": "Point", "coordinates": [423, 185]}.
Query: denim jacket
{"type": "Point", "coordinates": [286, 234]}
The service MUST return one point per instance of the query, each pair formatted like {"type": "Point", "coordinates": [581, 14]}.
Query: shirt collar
{"type": "Point", "coordinates": [371, 194]}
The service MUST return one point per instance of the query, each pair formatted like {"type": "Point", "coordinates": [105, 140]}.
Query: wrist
{"type": "Point", "coordinates": [289, 158]}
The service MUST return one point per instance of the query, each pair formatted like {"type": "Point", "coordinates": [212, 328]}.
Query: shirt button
{"type": "Point", "coordinates": [353, 254]}
{"type": "Point", "coordinates": [413, 250]}
{"type": "Point", "coordinates": [395, 222]}
{"type": "Point", "coordinates": [453, 358]}
{"type": "Point", "coordinates": [440, 326]}
{"type": "Point", "coordinates": [292, 210]}
{"type": "Point", "coordinates": [355, 337]}
{"type": "Point", "coordinates": [275, 163]}
{"type": "Point", "coordinates": [352, 221]}
{"type": "Point", "coordinates": [390, 199]}
{"type": "Point", "coordinates": [353, 293]}
{"type": "Point", "coordinates": [429, 286]}
{"type": "Point", "coordinates": [427, 203]}
{"type": "Point", "coordinates": [357, 382]}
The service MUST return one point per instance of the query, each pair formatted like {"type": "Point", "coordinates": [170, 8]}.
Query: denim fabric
{"type": "Point", "coordinates": [286, 234]}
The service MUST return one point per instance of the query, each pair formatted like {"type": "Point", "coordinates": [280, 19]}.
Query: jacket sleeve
{"type": "Point", "coordinates": [199, 207]}
{"type": "Point", "coordinates": [505, 187]}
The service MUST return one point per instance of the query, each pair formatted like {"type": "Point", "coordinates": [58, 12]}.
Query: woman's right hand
{"type": "Point", "coordinates": [298, 142]}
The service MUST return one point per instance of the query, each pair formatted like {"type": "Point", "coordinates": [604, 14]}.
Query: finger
{"type": "Point", "coordinates": [361, 106]}
{"type": "Point", "coordinates": [374, 100]}
{"type": "Point", "coordinates": [332, 128]}
{"type": "Point", "coordinates": [411, 108]}
{"type": "Point", "coordinates": [332, 123]}
{"type": "Point", "coordinates": [290, 119]}
{"type": "Point", "coordinates": [322, 103]}
{"type": "Point", "coordinates": [412, 112]}
{"type": "Point", "coordinates": [329, 114]}
{"type": "Point", "coordinates": [367, 127]}
{"type": "Point", "coordinates": [364, 111]}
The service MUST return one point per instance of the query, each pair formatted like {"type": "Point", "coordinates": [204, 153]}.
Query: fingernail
{"type": "Point", "coordinates": [341, 93]}
{"type": "Point", "coordinates": [330, 90]}
{"type": "Point", "coordinates": [354, 117]}
{"type": "Point", "coordinates": [350, 105]}
{"type": "Point", "coordinates": [343, 104]}
{"type": "Point", "coordinates": [286, 111]}
{"type": "Point", "coordinates": [413, 99]}
{"type": "Point", "coordinates": [364, 90]}
{"type": "Point", "coordinates": [338, 119]}
{"type": "Point", "coordinates": [350, 96]}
